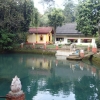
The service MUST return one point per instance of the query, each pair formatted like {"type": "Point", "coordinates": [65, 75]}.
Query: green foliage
{"type": "Point", "coordinates": [48, 3]}
{"type": "Point", "coordinates": [88, 17]}
{"type": "Point", "coordinates": [6, 40]}
{"type": "Point", "coordinates": [15, 15]}
{"type": "Point", "coordinates": [15, 18]}
{"type": "Point", "coordinates": [43, 21]}
{"type": "Point", "coordinates": [98, 42]}
{"type": "Point", "coordinates": [21, 37]}
{"type": "Point", "coordinates": [69, 11]}
{"type": "Point", "coordinates": [56, 18]}
{"type": "Point", "coordinates": [34, 18]}
{"type": "Point", "coordinates": [36, 22]}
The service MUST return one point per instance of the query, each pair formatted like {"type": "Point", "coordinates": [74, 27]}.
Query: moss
{"type": "Point", "coordinates": [35, 51]}
{"type": "Point", "coordinates": [96, 60]}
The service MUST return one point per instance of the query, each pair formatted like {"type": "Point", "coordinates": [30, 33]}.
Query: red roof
{"type": "Point", "coordinates": [41, 30]}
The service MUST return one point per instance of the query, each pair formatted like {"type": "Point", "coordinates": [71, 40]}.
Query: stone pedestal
{"type": "Point", "coordinates": [15, 96]}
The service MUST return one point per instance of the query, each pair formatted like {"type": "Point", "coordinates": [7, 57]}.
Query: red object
{"type": "Point", "coordinates": [93, 70]}
{"type": "Point", "coordinates": [88, 49]}
{"type": "Point", "coordinates": [21, 45]}
{"type": "Point", "coordinates": [33, 45]}
{"type": "Point", "coordinates": [56, 47]}
{"type": "Point", "coordinates": [94, 50]}
{"type": "Point", "coordinates": [41, 30]}
{"type": "Point", "coordinates": [20, 97]}
{"type": "Point", "coordinates": [82, 55]}
{"type": "Point", "coordinates": [44, 46]}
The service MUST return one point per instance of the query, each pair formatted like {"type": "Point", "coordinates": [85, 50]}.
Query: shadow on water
{"type": "Point", "coordinates": [45, 77]}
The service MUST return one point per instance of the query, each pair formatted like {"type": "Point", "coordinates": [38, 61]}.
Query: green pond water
{"type": "Point", "coordinates": [48, 78]}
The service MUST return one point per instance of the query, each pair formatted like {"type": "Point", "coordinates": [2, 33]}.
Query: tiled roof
{"type": "Point", "coordinates": [68, 28]}
{"type": "Point", "coordinates": [41, 30]}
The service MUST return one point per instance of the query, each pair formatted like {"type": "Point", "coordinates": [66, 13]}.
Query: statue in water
{"type": "Point", "coordinates": [16, 85]}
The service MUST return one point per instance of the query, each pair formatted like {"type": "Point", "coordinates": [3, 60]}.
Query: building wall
{"type": "Point", "coordinates": [36, 38]}
{"type": "Point", "coordinates": [79, 40]}
{"type": "Point", "coordinates": [31, 38]}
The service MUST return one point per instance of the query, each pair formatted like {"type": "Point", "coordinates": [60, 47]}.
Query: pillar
{"type": "Point", "coordinates": [81, 53]}
{"type": "Point", "coordinates": [88, 48]}
{"type": "Point", "coordinates": [36, 38]}
{"type": "Point", "coordinates": [79, 40]}
{"type": "Point", "coordinates": [94, 48]}
{"type": "Point", "coordinates": [44, 45]}
{"type": "Point", "coordinates": [33, 45]}
{"type": "Point", "coordinates": [66, 41]}
{"type": "Point", "coordinates": [21, 45]}
{"type": "Point", "coordinates": [56, 46]}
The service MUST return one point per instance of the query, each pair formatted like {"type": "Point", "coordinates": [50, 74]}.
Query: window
{"type": "Point", "coordinates": [41, 65]}
{"type": "Point", "coordinates": [72, 40]}
{"type": "Point", "coordinates": [49, 38]}
{"type": "Point", "coordinates": [59, 39]}
{"type": "Point", "coordinates": [86, 40]}
{"type": "Point", "coordinates": [41, 38]}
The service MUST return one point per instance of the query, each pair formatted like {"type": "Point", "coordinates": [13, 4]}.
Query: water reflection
{"type": "Point", "coordinates": [40, 63]}
{"type": "Point", "coordinates": [46, 77]}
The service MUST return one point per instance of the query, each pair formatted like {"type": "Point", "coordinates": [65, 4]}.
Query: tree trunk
{"type": "Point", "coordinates": [54, 35]}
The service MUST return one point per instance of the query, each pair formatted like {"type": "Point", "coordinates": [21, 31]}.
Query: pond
{"type": "Point", "coordinates": [47, 78]}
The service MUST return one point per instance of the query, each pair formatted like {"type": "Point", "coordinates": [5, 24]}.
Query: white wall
{"type": "Point", "coordinates": [78, 42]}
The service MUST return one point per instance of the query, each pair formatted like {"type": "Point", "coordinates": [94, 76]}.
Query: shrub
{"type": "Point", "coordinates": [98, 43]}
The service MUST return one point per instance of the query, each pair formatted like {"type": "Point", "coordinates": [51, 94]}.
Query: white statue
{"type": "Point", "coordinates": [16, 85]}
{"type": "Point", "coordinates": [72, 47]}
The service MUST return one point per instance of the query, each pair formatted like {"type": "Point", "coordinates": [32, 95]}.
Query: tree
{"type": "Point", "coordinates": [56, 18]}
{"type": "Point", "coordinates": [43, 20]}
{"type": "Point", "coordinates": [48, 3]}
{"type": "Point", "coordinates": [88, 17]}
{"type": "Point", "coordinates": [69, 11]}
{"type": "Point", "coordinates": [6, 40]}
{"type": "Point", "coordinates": [36, 16]}
{"type": "Point", "coordinates": [15, 17]}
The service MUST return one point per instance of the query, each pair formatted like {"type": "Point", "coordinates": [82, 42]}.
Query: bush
{"type": "Point", "coordinates": [98, 43]}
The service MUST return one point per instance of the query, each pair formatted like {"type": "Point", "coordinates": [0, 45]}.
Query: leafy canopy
{"type": "Point", "coordinates": [88, 17]}
{"type": "Point", "coordinates": [56, 17]}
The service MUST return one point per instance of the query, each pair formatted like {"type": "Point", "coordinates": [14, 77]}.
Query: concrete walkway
{"type": "Point", "coordinates": [63, 54]}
